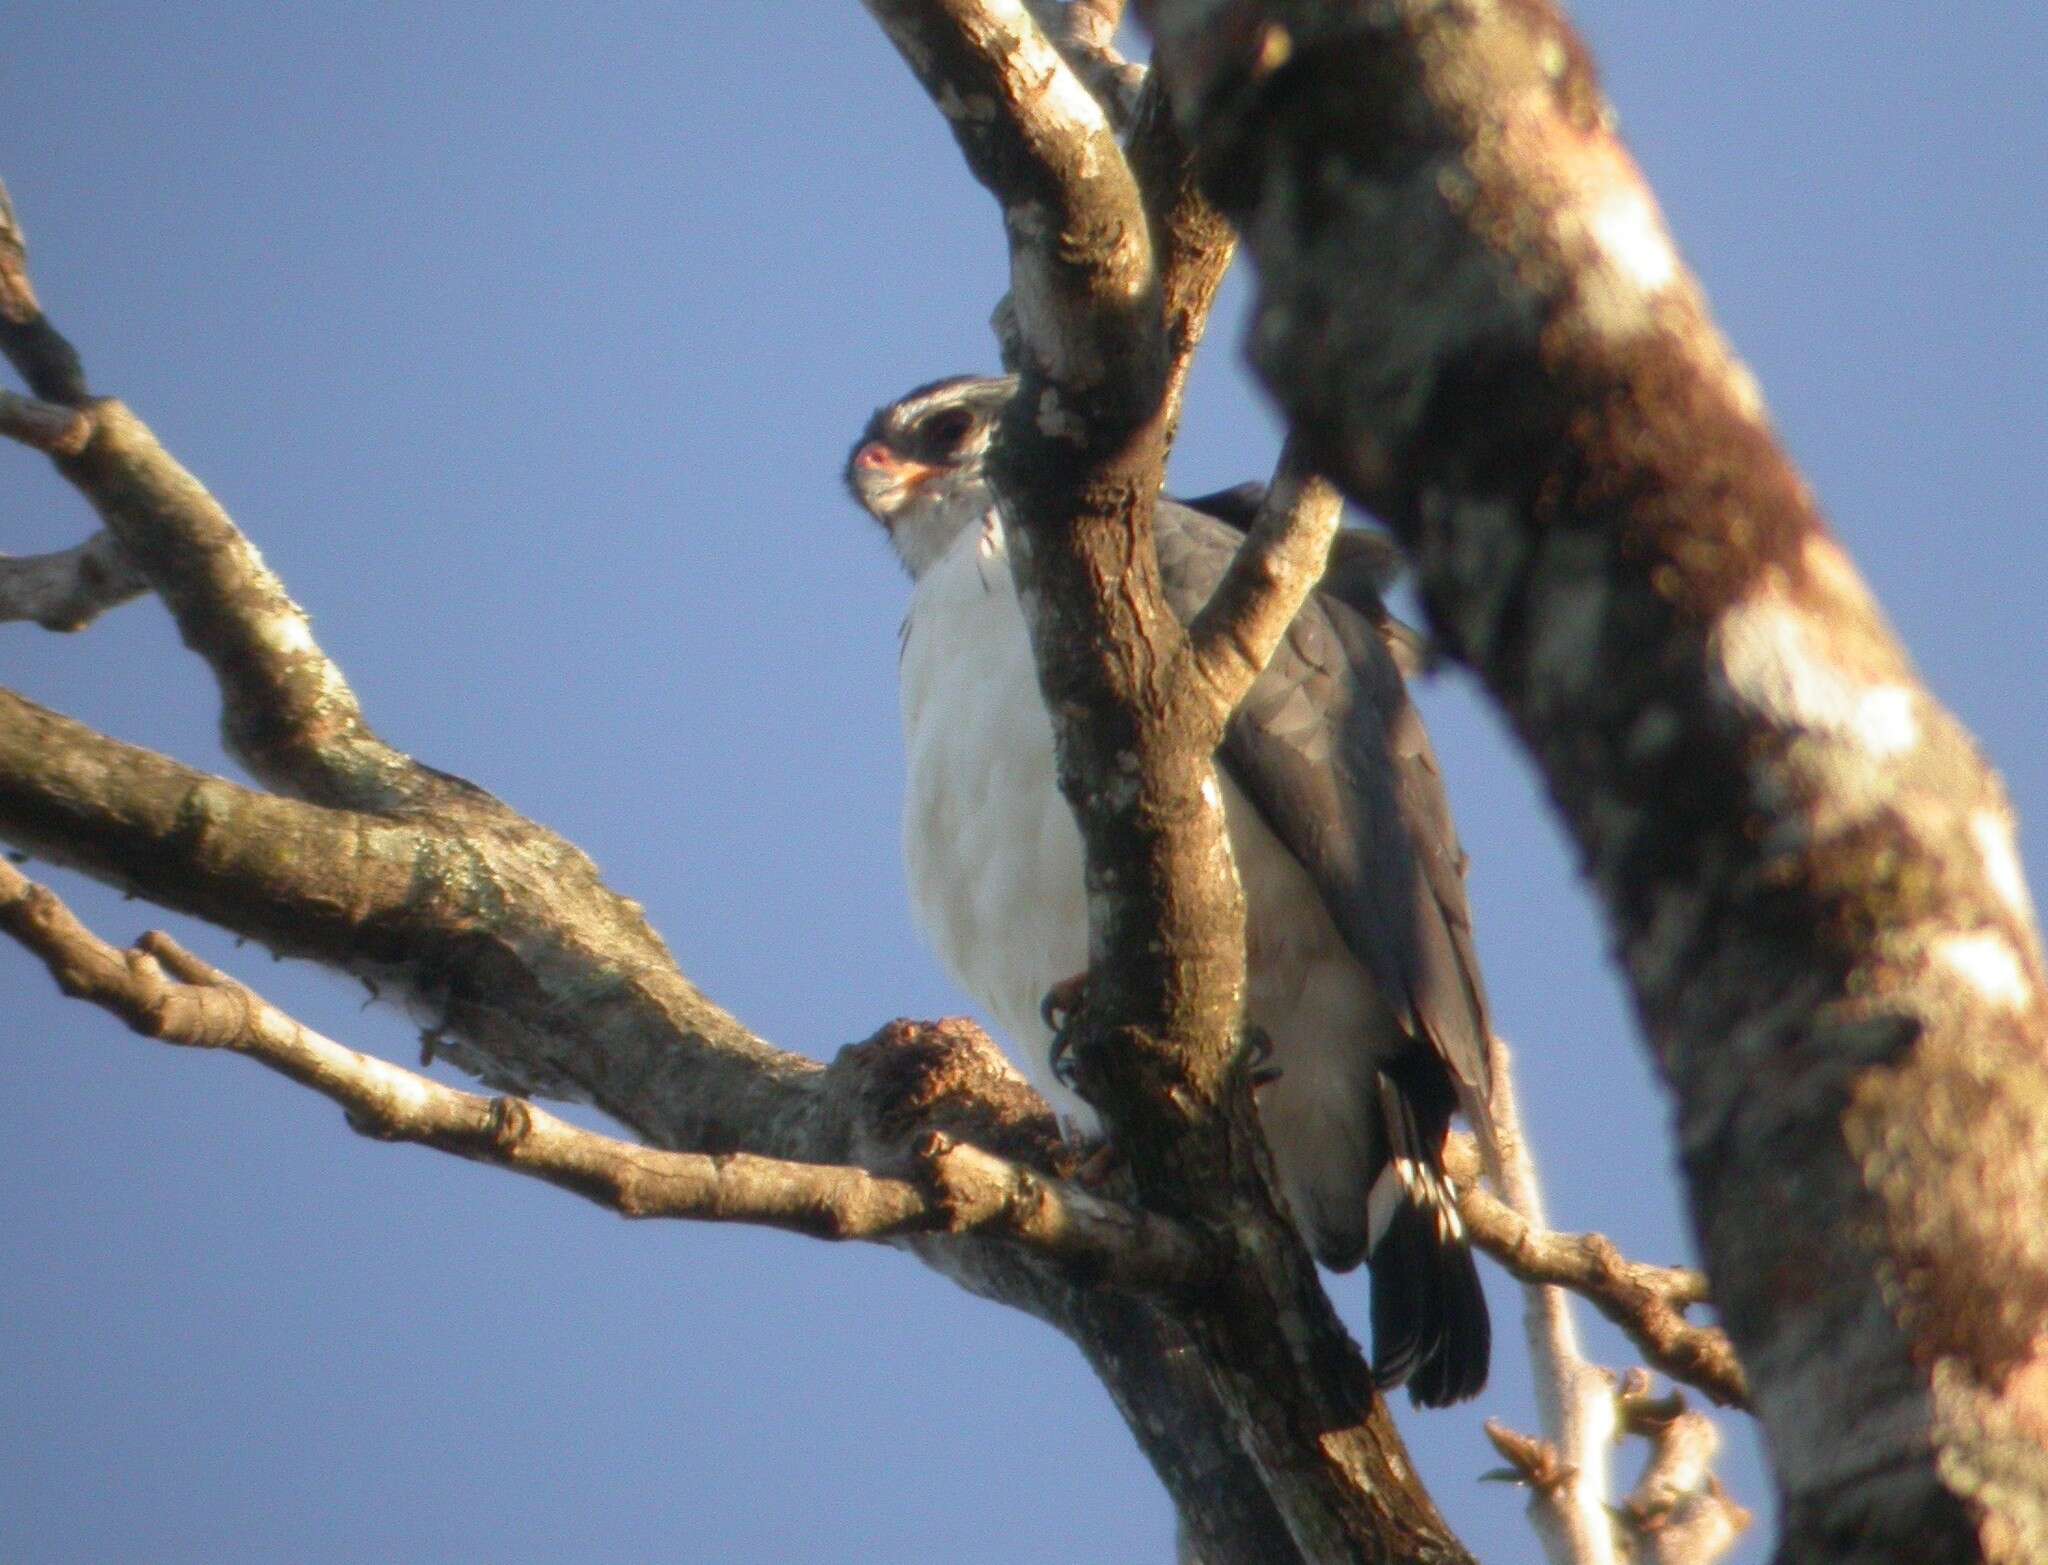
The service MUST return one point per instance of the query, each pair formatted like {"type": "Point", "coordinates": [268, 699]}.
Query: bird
{"type": "Point", "coordinates": [1362, 976]}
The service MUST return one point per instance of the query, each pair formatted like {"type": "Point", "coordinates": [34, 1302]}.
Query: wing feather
{"type": "Point", "coordinates": [1329, 748]}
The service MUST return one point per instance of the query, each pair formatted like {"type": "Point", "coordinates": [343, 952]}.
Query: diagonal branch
{"type": "Point", "coordinates": [1272, 573]}
{"type": "Point", "coordinates": [71, 588]}
{"type": "Point", "coordinates": [1647, 1301]}
{"type": "Point", "coordinates": [37, 350]}
{"type": "Point", "coordinates": [164, 992]}
{"type": "Point", "coordinates": [1481, 324]}
{"type": "Point", "coordinates": [286, 710]}
{"type": "Point", "coordinates": [44, 426]}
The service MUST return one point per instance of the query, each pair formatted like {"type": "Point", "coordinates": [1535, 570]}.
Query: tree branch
{"type": "Point", "coordinates": [37, 350]}
{"type": "Point", "coordinates": [1479, 324]}
{"type": "Point", "coordinates": [70, 589]}
{"type": "Point", "coordinates": [1678, 1513]}
{"type": "Point", "coordinates": [43, 426]}
{"type": "Point", "coordinates": [1270, 576]}
{"type": "Point", "coordinates": [1077, 466]}
{"type": "Point", "coordinates": [1646, 1301]}
{"type": "Point", "coordinates": [164, 992]}
{"type": "Point", "coordinates": [1084, 32]}
{"type": "Point", "coordinates": [1574, 1398]}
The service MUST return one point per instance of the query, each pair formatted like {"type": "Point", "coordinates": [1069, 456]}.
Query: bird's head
{"type": "Point", "coordinates": [919, 470]}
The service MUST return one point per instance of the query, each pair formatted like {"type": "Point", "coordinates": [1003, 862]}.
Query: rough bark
{"type": "Point", "coordinates": [1469, 308]}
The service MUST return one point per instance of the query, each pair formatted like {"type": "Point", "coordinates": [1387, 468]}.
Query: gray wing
{"type": "Point", "coordinates": [1333, 754]}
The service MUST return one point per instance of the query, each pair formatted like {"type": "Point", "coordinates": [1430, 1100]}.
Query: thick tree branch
{"type": "Point", "coordinates": [1470, 308]}
{"type": "Point", "coordinates": [70, 589]}
{"type": "Point", "coordinates": [1077, 467]}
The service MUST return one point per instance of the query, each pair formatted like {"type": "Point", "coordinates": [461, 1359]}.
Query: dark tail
{"type": "Point", "coordinates": [1429, 1322]}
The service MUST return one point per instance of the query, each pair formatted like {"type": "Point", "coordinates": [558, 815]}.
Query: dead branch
{"type": "Point", "coordinates": [1645, 1300]}
{"type": "Point", "coordinates": [164, 992]}
{"type": "Point", "coordinates": [71, 588]}
{"type": "Point", "coordinates": [40, 355]}
{"type": "Point", "coordinates": [1678, 1513]}
{"type": "Point", "coordinates": [43, 426]}
{"type": "Point", "coordinates": [1568, 1501]}
{"type": "Point", "coordinates": [1273, 572]}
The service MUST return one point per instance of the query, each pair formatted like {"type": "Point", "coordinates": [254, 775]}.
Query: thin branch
{"type": "Point", "coordinates": [286, 709]}
{"type": "Point", "coordinates": [1574, 1398]}
{"type": "Point", "coordinates": [1273, 571]}
{"type": "Point", "coordinates": [287, 712]}
{"type": "Point", "coordinates": [164, 992]}
{"type": "Point", "coordinates": [1082, 281]}
{"type": "Point", "coordinates": [37, 350]}
{"type": "Point", "coordinates": [71, 588]}
{"type": "Point", "coordinates": [44, 426]}
{"type": "Point", "coordinates": [1646, 1301]}
{"type": "Point", "coordinates": [1084, 32]}
{"type": "Point", "coordinates": [1678, 1513]}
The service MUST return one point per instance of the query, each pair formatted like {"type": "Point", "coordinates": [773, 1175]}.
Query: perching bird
{"type": "Point", "coordinates": [1361, 970]}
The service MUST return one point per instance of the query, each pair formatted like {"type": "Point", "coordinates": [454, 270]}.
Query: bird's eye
{"type": "Point", "coordinates": [945, 432]}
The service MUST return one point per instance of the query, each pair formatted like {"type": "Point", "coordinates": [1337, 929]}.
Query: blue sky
{"type": "Point", "coordinates": [528, 350]}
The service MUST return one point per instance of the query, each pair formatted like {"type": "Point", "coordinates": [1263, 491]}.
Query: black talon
{"type": "Point", "coordinates": [1062, 1066]}
{"type": "Point", "coordinates": [1258, 1055]}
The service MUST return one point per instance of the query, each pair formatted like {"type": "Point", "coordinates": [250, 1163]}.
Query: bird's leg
{"type": "Point", "coordinates": [1059, 1010]}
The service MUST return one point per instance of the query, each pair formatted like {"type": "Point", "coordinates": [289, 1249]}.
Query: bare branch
{"type": "Point", "coordinates": [43, 426]}
{"type": "Point", "coordinates": [1084, 32]}
{"type": "Point", "coordinates": [164, 992]}
{"type": "Point", "coordinates": [40, 355]}
{"type": "Point", "coordinates": [1574, 1398]}
{"type": "Point", "coordinates": [1274, 570]}
{"type": "Point", "coordinates": [1080, 255]}
{"type": "Point", "coordinates": [1076, 467]}
{"type": "Point", "coordinates": [70, 589]}
{"type": "Point", "coordinates": [1646, 1301]}
{"type": "Point", "coordinates": [1678, 1513]}
{"type": "Point", "coordinates": [1192, 242]}
{"type": "Point", "coordinates": [286, 710]}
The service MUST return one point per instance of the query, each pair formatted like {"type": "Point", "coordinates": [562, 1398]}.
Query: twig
{"type": "Point", "coordinates": [1678, 1513]}
{"type": "Point", "coordinates": [287, 711]}
{"type": "Point", "coordinates": [70, 589]}
{"type": "Point", "coordinates": [44, 426]}
{"type": "Point", "coordinates": [35, 348]}
{"type": "Point", "coordinates": [164, 992]}
{"type": "Point", "coordinates": [1568, 1492]}
{"type": "Point", "coordinates": [1275, 568]}
{"type": "Point", "coordinates": [1646, 1301]}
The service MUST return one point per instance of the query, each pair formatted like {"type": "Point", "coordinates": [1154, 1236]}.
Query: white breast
{"type": "Point", "coordinates": [995, 874]}
{"type": "Point", "coordinates": [993, 855]}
